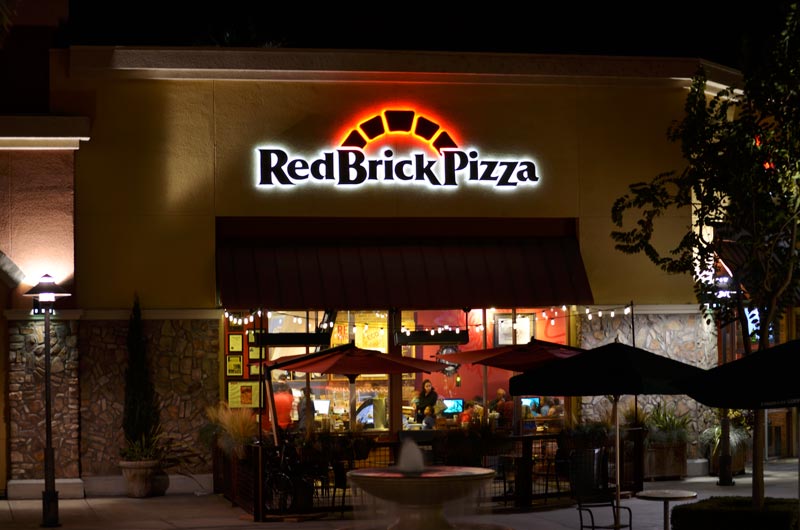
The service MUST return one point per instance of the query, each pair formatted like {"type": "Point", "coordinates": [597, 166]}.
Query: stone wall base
{"type": "Point", "coordinates": [67, 488]}
{"type": "Point", "coordinates": [106, 486]}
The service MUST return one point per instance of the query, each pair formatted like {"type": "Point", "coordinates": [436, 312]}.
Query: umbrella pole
{"type": "Point", "coordinates": [617, 459]}
{"type": "Point", "coordinates": [485, 386]}
{"type": "Point", "coordinates": [273, 410]}
{"type": "Point", "coordinates": [352, 379]}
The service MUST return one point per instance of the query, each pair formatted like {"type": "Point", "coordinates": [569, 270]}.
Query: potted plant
{"type": "Point", "coordinates": [141, 456]}
{"type": "Point", "coordinates": [665, 444]}
{"type": "Point", "coordinates": [229, 433]}
{"type": "Point", "coordinates": [739, 438]}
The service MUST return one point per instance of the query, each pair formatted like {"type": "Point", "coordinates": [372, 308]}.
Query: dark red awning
{"type": "Point", "coordinates": [364, 264]}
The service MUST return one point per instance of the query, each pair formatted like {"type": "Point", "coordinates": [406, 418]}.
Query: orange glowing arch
{"type": "Point", "coordinates": [399, 121]}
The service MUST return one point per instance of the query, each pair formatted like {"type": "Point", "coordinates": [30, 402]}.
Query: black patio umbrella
{"type": "Point", "coordinates": [613, 369]}
{"type": "Point", "coordinates": [762, 380]}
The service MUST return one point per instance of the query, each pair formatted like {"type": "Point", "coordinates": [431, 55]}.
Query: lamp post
{"type": "Point", "coordinates": [45, 293]}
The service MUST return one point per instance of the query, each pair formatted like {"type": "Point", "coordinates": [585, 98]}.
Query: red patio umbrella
{"type": "Point", "coordinates": [513, 357]}
{"type": "Point", "coordinates": [351, 361]}
{"type": "Point", "coordinates": [516, 357]}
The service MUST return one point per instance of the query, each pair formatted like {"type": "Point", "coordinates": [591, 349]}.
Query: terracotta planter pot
{"type": "Point", "coordinates": [144, 478]}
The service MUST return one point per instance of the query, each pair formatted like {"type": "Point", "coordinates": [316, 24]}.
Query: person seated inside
{"type": "Point", "coordinates": [507, 413]}
{"type": "Point", "coordinates": [428, 421]}
{"type": "Point", "coordinates": [557, 409]}
{"type": "Point", "coordinates": [548, 404]}
{"type": "Point", "coordinates": [496, 405]}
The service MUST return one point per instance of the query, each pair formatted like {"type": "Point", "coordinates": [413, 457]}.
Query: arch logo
{"type": "Point", "coordinates": [362, 158]}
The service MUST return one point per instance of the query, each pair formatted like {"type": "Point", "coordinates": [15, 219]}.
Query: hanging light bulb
{"type": "Point", "coordinates": [627, 310]}
{"type": "Point", "coordinates": [226, 314]}
{"type": "Point", "coordinates": [587, 311]}
{"type": "Point", "coordinates": [600, 313]}
{"type": "Point", "coordinates": [589, 316]}
{"type": "Point", "coordinates": [612, 313]}
{"type": "Point", "coordinates": [563, 307]}
{"type": "Point", "coordinates": [544, 314]}
{"type": "Point", "coordinates": [552, 321]}
{"type": "Point", "coordinates": [381, 331]}
{"type": "Point", "coordinates": [269, 314]}
{"type": "Point", "coordinates": [433, 332]}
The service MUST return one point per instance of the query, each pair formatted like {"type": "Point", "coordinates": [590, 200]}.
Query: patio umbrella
{"type": "Point", "coordinates": [516, 357]}
{"type": "Point", "coordinates": [352, 361]}
{"type": "Point", "coordinates": [613, 369]}
{"type": "Point", "coordinates": [762, 380]}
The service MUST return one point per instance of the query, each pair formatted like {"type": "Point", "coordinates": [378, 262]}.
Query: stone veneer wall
{"type": "Point", "coordinates": [684, 337]}
{"type": "Point", "coordinates": [184, 360]}
{"type": "Point", "coordinates": [26, 398]}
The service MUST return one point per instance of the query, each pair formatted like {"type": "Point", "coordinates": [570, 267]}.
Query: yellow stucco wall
{"type": "Point", "coordinates": [167, 156]}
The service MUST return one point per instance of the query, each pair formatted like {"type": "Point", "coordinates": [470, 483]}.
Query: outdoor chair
{"type": "Point", "coordinates": [588, 475]}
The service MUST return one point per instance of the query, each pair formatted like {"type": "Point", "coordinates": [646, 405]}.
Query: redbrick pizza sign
{"type": "Point", "coordinates": [443, 165]}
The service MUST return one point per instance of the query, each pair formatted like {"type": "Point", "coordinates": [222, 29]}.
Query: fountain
{"type": "Point", "coordinates": [420, 492]}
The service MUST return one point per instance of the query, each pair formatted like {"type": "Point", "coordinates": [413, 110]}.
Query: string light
{"type": "Point", "coordinates": [590, 313]}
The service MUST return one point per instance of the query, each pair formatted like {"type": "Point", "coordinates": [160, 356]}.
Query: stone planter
{"type": "Point", "coordinates": [665, 461]}
{"type": "Point", "coordinates": [144, 478]}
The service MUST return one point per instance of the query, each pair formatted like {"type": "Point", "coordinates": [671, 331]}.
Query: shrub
{"type": "Point", "coordinates": [665, 426]}
{"type": "Point", "coordinates": [736, 513]}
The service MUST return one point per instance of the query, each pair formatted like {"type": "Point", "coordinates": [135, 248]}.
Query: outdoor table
{"type": "Point", "coordinates": [666, 496]}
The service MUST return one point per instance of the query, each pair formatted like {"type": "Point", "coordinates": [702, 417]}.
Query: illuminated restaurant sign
{"type": "Point", "coordinates": [350, 165]}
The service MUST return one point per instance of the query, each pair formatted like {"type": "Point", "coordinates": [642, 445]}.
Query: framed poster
{"type": "Point", "coordinates": [234, 366]}
{"type": "Point", "coordinates": [243, 394]}
{"type": "Point", "coordinates": [253, 336]}
{"type": "Point", "coordinates": [256, 353]}
{"type": "Point", "coordinates": [234, 343]}
{"type": "Point", "coordinates": [255, 369]}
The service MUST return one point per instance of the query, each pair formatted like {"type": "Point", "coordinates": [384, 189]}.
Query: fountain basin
{"type": "Point", "coordinates": [433, 486]}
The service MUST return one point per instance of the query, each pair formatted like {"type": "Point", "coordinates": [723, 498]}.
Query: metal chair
{"type": "Point", "coordinates": [588, 475]}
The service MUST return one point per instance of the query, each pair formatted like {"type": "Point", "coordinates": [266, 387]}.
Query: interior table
{"type": "Point", "coordinates": [666, 496]}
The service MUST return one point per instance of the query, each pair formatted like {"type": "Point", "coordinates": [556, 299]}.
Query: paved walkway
{"type": "Point", "coordinates": [201, 512]}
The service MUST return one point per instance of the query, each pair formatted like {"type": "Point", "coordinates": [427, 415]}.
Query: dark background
{"type": "Point", "coordinates": [714, 31]}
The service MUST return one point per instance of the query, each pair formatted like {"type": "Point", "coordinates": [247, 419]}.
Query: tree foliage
{"type": "Point", "coordinates": [141, 419]}
{"type": "Point", "coordinates": [741, 183]}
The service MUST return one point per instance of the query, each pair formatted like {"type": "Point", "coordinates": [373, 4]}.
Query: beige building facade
{"type": "Point", "coordinates": [166, 150]}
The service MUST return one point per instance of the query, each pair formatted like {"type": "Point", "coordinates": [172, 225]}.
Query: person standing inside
{"type": "Point", "coordinates": [427, 398]}
{"type": "Point", "coordinates": [305, 410]}
{"type": "Point", "coordinates": [283, 402]}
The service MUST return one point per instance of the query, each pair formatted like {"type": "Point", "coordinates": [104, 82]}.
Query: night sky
{"type": "Point", "coordinates": [677, 28]}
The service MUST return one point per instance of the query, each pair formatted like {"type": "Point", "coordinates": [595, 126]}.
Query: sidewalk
{"type": "Point", "coordinates": [199, 512]}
